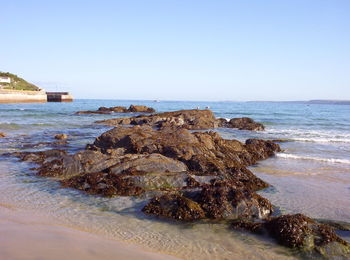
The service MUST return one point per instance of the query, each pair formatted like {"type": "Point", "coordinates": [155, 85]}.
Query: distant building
{"type": "Point", "coordinates": [5, 79]}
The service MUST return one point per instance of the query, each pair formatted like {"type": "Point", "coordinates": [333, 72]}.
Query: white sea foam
{"type": "Point", "coordinates": [322, 140]}
{"type": "Point", "coordinates": [298, 157]}
{"type": "Point", "coordinates": [313, 136]}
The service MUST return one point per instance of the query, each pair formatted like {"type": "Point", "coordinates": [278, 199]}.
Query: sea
{"type": "Point", "coordinates": [311, 175]}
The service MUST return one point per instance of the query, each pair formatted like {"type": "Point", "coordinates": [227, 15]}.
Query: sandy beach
{"type": "Point", "coordinates": [30, 236]}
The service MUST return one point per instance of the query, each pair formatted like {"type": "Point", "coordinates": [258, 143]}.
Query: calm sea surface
{"type": "Point", "coordinates": [311, 175]}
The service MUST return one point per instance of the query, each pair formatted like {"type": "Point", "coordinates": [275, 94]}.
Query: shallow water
{"type": "Point", "coordinates": [310, 176]}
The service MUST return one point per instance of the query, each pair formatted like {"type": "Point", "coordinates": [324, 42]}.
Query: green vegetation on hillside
{"type": "Point", "coordinates": [17, 83]}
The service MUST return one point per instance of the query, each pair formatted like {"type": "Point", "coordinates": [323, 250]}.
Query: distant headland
{"type": "Point", "coordinates": [14, 89]}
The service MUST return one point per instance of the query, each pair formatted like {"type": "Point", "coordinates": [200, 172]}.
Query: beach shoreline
{"type": "Point", "coordinates": [28, 235]}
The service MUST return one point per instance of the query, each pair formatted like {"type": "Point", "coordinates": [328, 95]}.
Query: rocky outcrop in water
{"type": "Point", "coordinates": [300, 232]}
{"type": "Point", "coordinates": [2, 135]}
{"type": "Point", "coordinates": [244, 123]}
{"type": "Point", "coordinates": [202, 152]}
{"type": "Point", "coordinates": [188, 176]}
{"type": "Point", "coordinates": [167, 159]}
{"type": "Point", "coordinates": [189, 119]}
{"type": "Point", "coordinates": [120, 109]}
{"type": "Point", "coordinates": [217, 200]}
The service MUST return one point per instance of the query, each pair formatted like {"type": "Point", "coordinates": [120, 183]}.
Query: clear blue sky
{"type": "Point", "coordinates": [180, 49]}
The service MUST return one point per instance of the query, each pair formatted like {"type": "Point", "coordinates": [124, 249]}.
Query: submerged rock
{"type": "Point", "coordinates": [40, 157]}
{"type": "Point", "coordinates": [61, 136]}
{"type": "Point", "coordinates": [102, 183]}
{"type": "Point", "coordinates": [93, 112]}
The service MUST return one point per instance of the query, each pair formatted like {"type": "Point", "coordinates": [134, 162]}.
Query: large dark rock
{"type": "Point", "coordinates": [189, 119]}
{"type": "Point", "coordinates": [202, 153]}
{"type": "Point", "coordinates": [243, 123]}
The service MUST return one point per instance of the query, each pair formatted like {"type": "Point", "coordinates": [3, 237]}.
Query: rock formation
{"type": "Point", "coordinates": [244, 123]}
{"type": "Point", "coordinates": [300, 232]}
{"type": "Point", "coordinates": [119, 109]}
{"type": "Point", "coordinates": [189, 119]}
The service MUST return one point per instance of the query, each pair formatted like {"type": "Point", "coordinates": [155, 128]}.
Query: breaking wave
{"type": "Point", "coordinates": [311, 158]}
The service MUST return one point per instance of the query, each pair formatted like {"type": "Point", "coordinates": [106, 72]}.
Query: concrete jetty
{"type": "Point", "coordinates": [25, 96]}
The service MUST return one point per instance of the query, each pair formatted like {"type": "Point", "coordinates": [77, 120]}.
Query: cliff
{"type": "Point", "coordinates": [16, 83]}
{"type": "Point", "coordinates": [14, 89]}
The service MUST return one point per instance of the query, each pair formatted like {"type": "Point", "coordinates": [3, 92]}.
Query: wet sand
{"type": "Point", "coordinates": [26, 236]}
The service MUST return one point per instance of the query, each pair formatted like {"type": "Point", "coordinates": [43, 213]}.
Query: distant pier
{"type": "Point", "coordinates": [59, 97]}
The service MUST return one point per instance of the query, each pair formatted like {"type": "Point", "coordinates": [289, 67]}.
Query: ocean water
{"type": "Point", "coordinates": [311, 175]}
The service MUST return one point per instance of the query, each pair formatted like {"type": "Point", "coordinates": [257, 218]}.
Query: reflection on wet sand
{"type": "Point", "coordinates": [24, 236]}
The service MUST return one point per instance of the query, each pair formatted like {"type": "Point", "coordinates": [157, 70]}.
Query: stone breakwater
{"type": "Point", "coordinates": [16, 96]}
{"type": "Point", "coordinates": [186, 176]}
{"type": "Point", "coordinates": [20, 96]}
